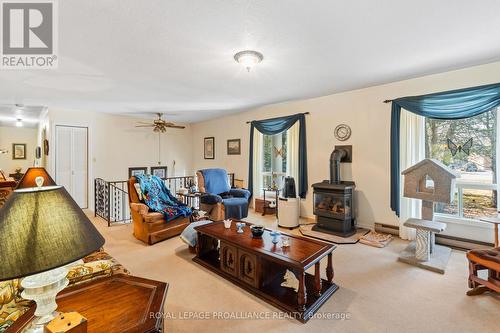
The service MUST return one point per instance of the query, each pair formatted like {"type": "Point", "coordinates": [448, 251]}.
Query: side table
{"type": "Point", "coordinates": [266, 207]}
{"type": "Point", "coordinates": [115, 304]}
{"type": "Point", "coordinates": [192, 199]}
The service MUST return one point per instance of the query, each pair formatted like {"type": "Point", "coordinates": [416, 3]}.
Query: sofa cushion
{"type": "Point", "coordinates": [12, 305]}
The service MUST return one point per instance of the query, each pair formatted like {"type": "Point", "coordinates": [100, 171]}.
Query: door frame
{"type": "Point", "coordinates": [54, 159]}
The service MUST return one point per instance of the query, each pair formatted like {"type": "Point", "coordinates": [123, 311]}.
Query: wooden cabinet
{"type": "Point", "coordinates": [229, 259]}
{"type": "Point", "coordinates": [258, 266]}
{"type": "Point", "coordinates": [239, 263]}
{"type": "Point", "coordinates": [248, 268]}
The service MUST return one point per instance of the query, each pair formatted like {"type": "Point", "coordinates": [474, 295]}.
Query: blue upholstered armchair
{"type": "Point", "coordinates": [219, 199]}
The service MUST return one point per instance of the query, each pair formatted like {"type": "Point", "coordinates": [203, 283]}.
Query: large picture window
{"type": "Point", "coordinates": [274, 166]}
{"type": "Point", "coordinates": [468, 146]}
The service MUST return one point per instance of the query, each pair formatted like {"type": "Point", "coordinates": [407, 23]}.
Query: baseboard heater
{"type": "Point", "coordinates": [451, 241]}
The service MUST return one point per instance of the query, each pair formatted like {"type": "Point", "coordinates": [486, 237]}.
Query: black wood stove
{"type": "Point", "coordinates": [334, 200]}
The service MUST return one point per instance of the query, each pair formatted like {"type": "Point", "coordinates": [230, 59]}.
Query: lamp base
{"type": "Point", "coordinates": [43, 289]}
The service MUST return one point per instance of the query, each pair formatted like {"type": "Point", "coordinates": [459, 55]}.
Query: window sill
{"type": "Point", "coordinates": [462, 221]}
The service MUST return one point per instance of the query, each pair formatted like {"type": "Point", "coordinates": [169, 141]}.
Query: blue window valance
{"type": "Point", "coordinates": [456, 104]}
{"type": "Point", "coordinates": [275, 126]}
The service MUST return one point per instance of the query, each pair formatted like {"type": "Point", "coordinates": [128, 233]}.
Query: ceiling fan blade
{"type": "Point", "coordinates": [145, 125]}
{"type": "Point", "coordinates": [175, 126]}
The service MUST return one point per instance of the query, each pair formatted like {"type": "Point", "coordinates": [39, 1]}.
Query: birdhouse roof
{"type": "Point", "coordinates": [430, 161]}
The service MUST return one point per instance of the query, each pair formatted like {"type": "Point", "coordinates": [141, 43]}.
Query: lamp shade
{"type": "Point", "coordinates": [28, 179]}
{"type": "Point", "coordinates": [42, 229]}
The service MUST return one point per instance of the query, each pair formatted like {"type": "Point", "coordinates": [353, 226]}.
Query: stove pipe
{"type": "Point", "coordinates": [335, 158]}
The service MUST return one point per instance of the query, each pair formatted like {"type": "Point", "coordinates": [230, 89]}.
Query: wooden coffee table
{"type": "Point", "coordinates": [116, 304]}
{"type": "Point", "coordinates": [258, 266]}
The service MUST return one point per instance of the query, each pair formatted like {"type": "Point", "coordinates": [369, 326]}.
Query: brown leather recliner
{"type": "Point", "coordinates": [151, 227]}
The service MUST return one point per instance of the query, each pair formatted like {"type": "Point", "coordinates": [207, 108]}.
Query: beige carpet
{"type": "Point", "coordinates": [379, 293]}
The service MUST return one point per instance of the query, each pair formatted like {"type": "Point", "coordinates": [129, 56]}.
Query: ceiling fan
{"type": "Point", "coordinates": [159, 125]}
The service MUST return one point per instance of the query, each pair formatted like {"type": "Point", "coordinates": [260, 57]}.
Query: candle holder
{"type": "Point", "coordinates": [240, 226]}
{"type": "Point", "coordinates": [275, 234]}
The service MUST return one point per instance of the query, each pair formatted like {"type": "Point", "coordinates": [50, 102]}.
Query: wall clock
{"type": "Point", "coordinates": [342, 132]}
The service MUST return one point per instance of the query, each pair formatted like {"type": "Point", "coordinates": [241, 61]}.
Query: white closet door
{"type": "Point", "coordinates": [71, 162]}
{"type": "Point", "coordinates": [79, 168]}
{"type": "Point", "coordinates": [63, 157]}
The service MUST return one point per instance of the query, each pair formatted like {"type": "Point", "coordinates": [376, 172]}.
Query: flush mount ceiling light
{"type": "Point", "coordinates": [248, 58]}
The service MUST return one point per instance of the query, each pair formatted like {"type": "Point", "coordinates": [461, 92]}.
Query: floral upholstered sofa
{"type": "Point", "coordinates": [97, 265]}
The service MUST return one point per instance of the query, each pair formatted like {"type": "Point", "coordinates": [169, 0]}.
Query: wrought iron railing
{"type": "Point", "coordinates": [111, 200]}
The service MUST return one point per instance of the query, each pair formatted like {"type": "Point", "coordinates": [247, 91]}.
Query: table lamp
{"type": "Point", "coordinates": [28, 180]}
{"type": "Point", "coordinates": [42, 231]}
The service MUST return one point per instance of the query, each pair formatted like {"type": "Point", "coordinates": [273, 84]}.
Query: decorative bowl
{"type": "Point", "coordinates": [257, 230]}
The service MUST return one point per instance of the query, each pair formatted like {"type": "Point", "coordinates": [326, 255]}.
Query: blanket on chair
{"type": "Point", "coordinates": [189, 235]}
{"type": "Point", "coordinates": [159, 198]}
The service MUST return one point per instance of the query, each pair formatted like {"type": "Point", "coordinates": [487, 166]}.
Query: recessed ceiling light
{"type": "Point", "coordinates": [248, 58]}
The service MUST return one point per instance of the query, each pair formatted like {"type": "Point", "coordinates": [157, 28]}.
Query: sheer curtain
{"type": "Point", "coordinates": [412, 150]}
{"type": "Point", "coordinates": [257, 166]}
{"type": "Point", "coordinates": [292, 154]}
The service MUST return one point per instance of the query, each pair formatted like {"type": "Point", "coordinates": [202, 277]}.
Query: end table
{"type": "Point", "coordinates": [114, 304]}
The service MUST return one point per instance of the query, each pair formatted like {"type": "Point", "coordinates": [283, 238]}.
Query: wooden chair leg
{"type": "Point", "coordinates": [472, 272]}
{"type": "Point", "coordinates": [477, 291]}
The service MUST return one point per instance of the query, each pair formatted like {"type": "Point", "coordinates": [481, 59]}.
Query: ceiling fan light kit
{"type": "Point", "coordinates": [159, 125]}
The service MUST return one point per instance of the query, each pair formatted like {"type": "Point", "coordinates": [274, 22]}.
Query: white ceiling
{"type": "Point", "coordinates": [176, 56]}
{"type": "Point", "coordinates": [29, 114]}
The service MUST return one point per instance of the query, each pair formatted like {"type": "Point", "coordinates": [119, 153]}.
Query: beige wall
{"type": "Point", "coordinates": [369, 119]}
{"type": "Point", "coordinates": [10, 135]}
{"type": "Point", "coordinates": [115, 144]}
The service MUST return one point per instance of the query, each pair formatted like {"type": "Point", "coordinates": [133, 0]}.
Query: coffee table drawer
{"type": "Point", "coordinates": [229, 258]}
{"type": "Point", "coordinates": [247, 273]}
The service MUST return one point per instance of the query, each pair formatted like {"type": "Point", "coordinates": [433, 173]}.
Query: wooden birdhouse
{"type": "Point", "coordinates": [431, 181]}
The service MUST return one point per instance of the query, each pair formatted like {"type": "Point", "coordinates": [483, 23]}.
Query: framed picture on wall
{"type": "Point", "coordinates": [137, 171]}
{"type": "Point", "coordinates": [46, 147]}
{"type": "Point", "coordinates": [18, 151]}
{"type": "Point", "coordinates": [234, 147]}
{"type": "Point", "coordinates": [159, 171]}
{"type": "Point", "coordinates": [209, 148]}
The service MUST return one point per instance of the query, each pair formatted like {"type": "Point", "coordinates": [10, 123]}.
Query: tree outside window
{"type": "Point", "coordinates": [274, 159]}
{"type": "Point", "coordinates": [476, 166]}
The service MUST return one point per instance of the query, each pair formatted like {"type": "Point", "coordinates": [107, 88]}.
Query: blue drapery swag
{"type": "Point", "coordinates": [275, 126]}
{"type": "Point", "coordinates": [456, 104]}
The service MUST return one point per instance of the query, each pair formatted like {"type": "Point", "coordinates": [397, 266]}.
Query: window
{"type": "Point", "coordinates": [426, 185]}
{"type": "Point", "coordinates": [468, 146]}
{"type": "Point", "coordinates": [274, 159]}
